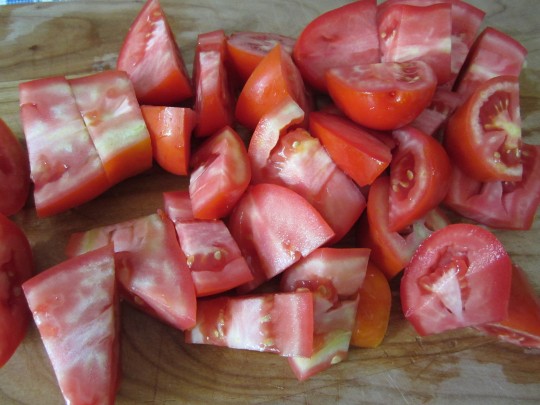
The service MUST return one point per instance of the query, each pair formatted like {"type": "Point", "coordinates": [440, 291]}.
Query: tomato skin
{"type": "Point", "coordinates": [358, 153]}
{"type": "Point", "coordinates": [419, 177]}
{"type": "Point", "coordinates": [382, 96]}
{"type": "Point", "coordinates": [459, 276]}
{"type": "Point", "coordinates": [16, 266]}
{"type": "Point", "coordinates": [221, 173]}
{"type": "Point", "coordinates": [488, 126]}
{"type": "Point", "coordinates": [275, 80]}
{"type": "Point", "coordinates": [14, 172]}
{"type": "Point", "coordinates": [152, 59]}
{"type": "Point", "coordinates": [344, 36]}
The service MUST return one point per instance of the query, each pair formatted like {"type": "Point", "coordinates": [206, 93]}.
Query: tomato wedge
{"type": "Point", "coordinates": [382, 96]}
{"type": "Point", "coordinates": [344, 36]}
{"type": "Point", "coordinates": [459, 276]}
{"type": "Point", "coordinates": [14, 172]}
{"type": "Point", "coordinates": [419, 177]}
{"type": "Point", "coordinates": [152, 59]}
{"type": "Point", "coordinates": [170, 131]}
{"type": "Point", "coordinates": [16, 266]}
{"type": "Point", "coordinates": [488, 126]}
{"type": "Point", "coordinates": [75, 307]}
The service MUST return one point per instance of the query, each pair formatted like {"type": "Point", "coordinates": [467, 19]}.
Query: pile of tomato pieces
{"type": "Point", "coordinates": [320, 169]}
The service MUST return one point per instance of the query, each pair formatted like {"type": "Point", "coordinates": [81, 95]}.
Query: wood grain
{"type": "Point", "coordinates": [75, 38]}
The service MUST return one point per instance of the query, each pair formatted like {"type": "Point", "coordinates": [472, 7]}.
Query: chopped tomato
{"type": "Point", "coordinates": [419, 177]}
{"type": "Point", "coordinates": [214, 103]}
{"type": "Point", "coordinates": [177, 205]}
{"type": "Point", "coordinates": [357, 152]}
{"type": "Point", "coordinates": [493, 54]}
{"type": "Point", "coordinates": [115, 123]}
{"type": "Point", "coordinates": [16, 266]}
{"type": "Point", "coordinates": [272, 238]}
{"type": "Point", "coordinates": [373, 313]}
{"type": "Point", "coordinates": [391, 251]}
{"type": "Point", "coordinates": [459, 276]}
{"type": "Point", "coordinates": [488, 127]}
{"type": "Point", "coordinates": [65, 166]}
{"type": "Point", "coordinates": [245, 49]}
{"type": "Point", "coordinates": [499, 204]}
{"type": "Point", "coordinates": [436, 114]}
{"type": "Point", "coordinates": [522, 325]}
{"type": "Point", "coordinates": [14, 172]}
{"type": "Point", "coordinates": [382, 96]}
{"type": "Point", "coordinates": [279, 323]}
{"type": "Point", "coordinates": [152, 59]}
{"type": "Point", "coordinates": [221, 173]}
{"type": "Point", "coordinates": [344, 36]}
{"type": "Point", "coordinates": [274, 80]}
{"type": "Point", "coordinates": [151, 268]}
{"type": "Point", "coordinates": [405, 36]}
{"type": "Point", "coordinates": [75, 307]}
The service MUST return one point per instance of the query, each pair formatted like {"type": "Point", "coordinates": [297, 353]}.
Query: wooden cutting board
{"type": "Point", "coordinates": [75, 38]}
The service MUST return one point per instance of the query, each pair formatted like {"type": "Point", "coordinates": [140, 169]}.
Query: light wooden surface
{"type": "Point", "coordinates": [75, 38]}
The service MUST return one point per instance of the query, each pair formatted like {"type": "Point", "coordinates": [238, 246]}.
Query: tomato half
{"type": "Point", "coordinates": [75, 307]}
{"type": "Point", "coordinates": [459, 276]}
{"type": "Point", "coordinates": [214, 103]}
{"type": "Point", "coordinates": [170, 131]}
{"type": "Point", "coordinates": [221, 173]}
{"type": "Point", "coordinates": [14, 172]}
{"type": "Point", "coordinates": [488, 127]}
{"type": "Point", "coordinates": [16, 266]}
{"type": "Point", "coordinates": [344, 36]}
{"type": "Point", "coordinates": [151, 58]}
{"type": "Point", "coordinates": [383, 95]}
{"type": "Point", "coordinates": [419, 177]}
{"type": "Point", "coordinates": [522, 325]}
{"type": "Point", "coordinates": [65, 166]}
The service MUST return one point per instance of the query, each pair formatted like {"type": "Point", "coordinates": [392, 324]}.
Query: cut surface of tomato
{"type": "Point", "coordinates": [488, 127]}
{"type": "Point", "coordinates": [459, 276]}
{"type": "Point", "coordinates": [344, 36]}
{"type": "Point", "coordinates": [14, 172]}
{"type": "Point", "coordinates": [16, 266]}
{"type": "Point", "coordinates": [75, 307]}
{"type": "Point", "coordinates": [151, 58]}
{"type": "Point", "coordinates": [382, 96]}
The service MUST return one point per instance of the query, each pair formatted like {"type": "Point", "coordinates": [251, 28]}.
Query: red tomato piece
{"type": "Point", "coordinates": [302, 164]}
{"type": "Point", "coordinates": [279, 323]}
{"type": "Point", "coordinates": [214, 103]}
{"type": "Point", "coordinates": [113, 118]}
{"type": "Point", "coordinates": [405, 36]}
{"type": "Point", "coordinates": [391, 251]}
{"type": "Point", "coordinates": [275, 227]}
{"type": "Point", "coordinates": [343, 36]}
{"type": "Point", "coordinates": [75, 307]}
{"type": "Point", "coordinates": [488, 126]}
{"type": "Point", "coordinates": [419, 177]}
{"type": "Point", "coordinates": [221, 173]}
{"type": "Point", "coordinates": [275, 80]}
{"type": "Point", "coordinates": [373, 313]}
{"type": "Point", "coordinates": [151, 268]}
{"type": "Point", "coordinates": [459, 276]}
{"type": "Point", "coordinates": [382, 96]}
{"type": "Point", "coordinates": [522, 325]}
{"type": "Point", "coordinates": [170, 131]}
{"type": "Point", "coordinates": [499, 204]}
{"type": "Point", "coordinates": [245, 49]}
{"type": "Point", "coordinates": [213, 256]}
{"type": "Point", "coordinates": [14, 172]}
{"type": "Point", "coordinates": [493, 54]}
{"type": "Point", "coordinates": [442, 106]}
{"type": "Point", "coordinates": [151, 58]}
{"type": "Point", "coordinates": [16, 266]}
{"type": "Point", "coordinates": [357, 152]}
{"type": "Point", "coordinates": [64, 164]}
